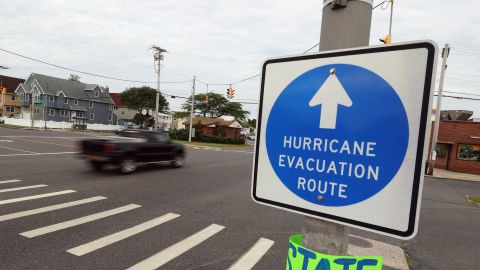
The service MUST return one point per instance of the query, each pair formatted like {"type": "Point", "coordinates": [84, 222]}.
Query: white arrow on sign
{"type": "Point", "coordinates": [330, 95]}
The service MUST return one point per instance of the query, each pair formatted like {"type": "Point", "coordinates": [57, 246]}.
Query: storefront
{"type": "Point", "coordinates": [458, 147]}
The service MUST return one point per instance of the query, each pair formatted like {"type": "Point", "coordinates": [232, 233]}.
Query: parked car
{"type": "Point", "coordinates": [251, 137]}
{"type": "Point", "coordinates": [2, 120]}
{"type": "Point", "coordinates": [134, 148]}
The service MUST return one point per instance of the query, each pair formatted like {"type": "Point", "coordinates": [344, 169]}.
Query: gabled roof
{"type": "Point", "coordinates": [117, 100]}
{"type": "Point", "coordinates": [205, 121]}
{"type": "Point", "coordinates": [10, 83]}
{"type": "Point", "coordinates": [72, 89]}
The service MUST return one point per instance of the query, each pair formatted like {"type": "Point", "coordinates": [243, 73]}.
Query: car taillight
{"type": "Point", "coordinates": [109, 149]}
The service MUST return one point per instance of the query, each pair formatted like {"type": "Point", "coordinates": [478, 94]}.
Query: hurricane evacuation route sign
{"type": "Point", "coordinates": [343, 135]}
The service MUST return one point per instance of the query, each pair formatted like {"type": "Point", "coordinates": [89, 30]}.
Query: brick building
{"type": "Point", "coordinates": [458, 147]}
{"type": "Point", "coordinates": [217, 127]}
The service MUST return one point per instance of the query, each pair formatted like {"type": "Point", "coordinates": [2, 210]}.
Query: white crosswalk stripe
{"type": "Point", "coordinates": [49, 208]}
{"type": "Point", "coordinates": [118, 236]}
{"type": "Point", "coordinates": [177, 249]}
{"type": "Point", "coordinates": [253, 255]}
{"type": "Point", "coordinates": [78, 221]}
{"type": "Point", "coordinates": [34, 197]}
{"type": "Point", "coordinates": [21, 188]}
{"type": "Point", "coordinates": [10, 181]}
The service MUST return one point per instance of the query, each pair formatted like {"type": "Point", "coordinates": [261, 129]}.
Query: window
{"type": "Point", "coordinates": [115, 107]}
{"type": "Point", "coordinates": [13, 97]}
{"type": "Point", "coordinates": [36, 110]}
{"type": "Point", "coordinates": [75, 101]}
{"type": "Point", "coordinates": [51, 98]}
{"type": "Point", "coordinates": [51, 111]}
{"type": "Point", "coordinates": [97, 94]}
{"type": "Point", "coordinates": [35, 97]}
{"type": "Point", "coordinates": [441, 150]}
{"type": "Point", "coordinates": [91, 104]}
{"type": "Point", "coordinates": [110, 118]}
{"type": "Point", "coordinates": [92, 116]}
{"type": "Point", "coordinates": [110, 106]}
{"type": "Point", "coordinates": [468, 152]}
{"type": "Point", "coordinates": [80, 114]}
{"type": "Point", "coordinates": [22, 96]}
{"type": "Point", "coordinates": [64, 113]}
{"type": "Point", "coordinates": [65, 100]}
{"type": "Point", "coordinates": [162, 137]}
{"type": "Point", "coordinates": [9, 109]}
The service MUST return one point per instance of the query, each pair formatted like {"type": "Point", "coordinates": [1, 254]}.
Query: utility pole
{"type": "Point", "coordinates": [158, 57]}
{"type": "Point", "coordinates": [191, 110]}
{"type": "Point", "coordinates": [345, 24]}
{"type": "Point", "coordinates": [436, 125]}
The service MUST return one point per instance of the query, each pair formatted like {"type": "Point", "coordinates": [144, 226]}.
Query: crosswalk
{"type": "Point", "coordinates": [158, 260]}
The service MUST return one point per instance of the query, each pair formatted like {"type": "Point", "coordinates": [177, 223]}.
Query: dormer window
{"type": "Point", "coordinates": [51, 98]}
{"type": "Point", "coordinates": [97, 94]}
{"type": "Point", "coordinates": [65, 100]}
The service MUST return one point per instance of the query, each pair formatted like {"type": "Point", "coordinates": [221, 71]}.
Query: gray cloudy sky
{"type": "Point", "coordinates": [218, 41]}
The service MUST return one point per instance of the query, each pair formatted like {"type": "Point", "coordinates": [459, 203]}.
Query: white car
{"type": "Point", "coordinates": [2, 119]}
{"type": "Point", "coordinates": [251, 137]}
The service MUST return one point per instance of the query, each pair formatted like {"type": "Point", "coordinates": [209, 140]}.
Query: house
{"type": "Point", "coordinates": [458, 146]}
{"type": "Point", "coordinates": [125, 115]}
{"type": "Point", "coordinates": [61, 100]}
{"type": "Point", "coordinates": [9, 103]}
{"type": "Point", "coordinates": [217, 126]}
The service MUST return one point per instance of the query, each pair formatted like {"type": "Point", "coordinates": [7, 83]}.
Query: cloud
{"type": "Point", "coordinates": [218, 41]}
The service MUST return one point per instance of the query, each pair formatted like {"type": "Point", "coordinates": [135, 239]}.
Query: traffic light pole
{"type": "Point", "coordinates": [344, 25]}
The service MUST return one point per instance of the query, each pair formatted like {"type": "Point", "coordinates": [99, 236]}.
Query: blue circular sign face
{"type": "Point", "coordinates": [337, 135]}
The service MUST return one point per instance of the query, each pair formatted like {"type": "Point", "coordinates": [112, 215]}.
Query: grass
{"type": "Point", "coordinates": [10, 126]}
{"type": "Point", "coordinates": [473, 200]}
{"type": "Point", "coordinates": [214, 145]}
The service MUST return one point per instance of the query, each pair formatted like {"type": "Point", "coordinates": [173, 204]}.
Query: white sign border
{"type": "Point", "coordinates": [422, 145]}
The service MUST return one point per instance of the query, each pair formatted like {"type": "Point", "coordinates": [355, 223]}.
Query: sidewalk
{"type": "Point", "coordinates": [444, 174]}
{"type": "Point", "coordinates": [393, 257]}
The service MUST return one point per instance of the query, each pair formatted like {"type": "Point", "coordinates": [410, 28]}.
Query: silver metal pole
{"type": "Point", "coordinates": [157, 99]}
{"type": "Point", "coordinates": [436, 124]}
{"type": "Point", "coordinates": [32, 112]}
{"type": "Point", "coordinates": [341, 28]}
{"type": "Point", "coordinates": [391, 18]}
{"type": "Point", "coordinates": [191, 111]}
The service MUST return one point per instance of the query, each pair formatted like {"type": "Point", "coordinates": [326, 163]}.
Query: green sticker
{"type": "Point", "coordinates": [300, 258]}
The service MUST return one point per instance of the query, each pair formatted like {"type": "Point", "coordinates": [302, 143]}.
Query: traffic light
{"type": "Point", "coordinates": [230, 92]}
{"type": "Point", "coordinates": [386, 40]}
{"type": "Point", "coordinates": [205, 98]}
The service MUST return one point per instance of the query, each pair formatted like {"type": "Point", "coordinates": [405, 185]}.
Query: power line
{"type": "Point", "coordinates": [251, 77]}
{"type": "Point", "coordinates": [83, 72]}
{"type": "Point", "coordinates": [462, 80]}
{"type": "Point", "coordinates": [466, 49]}
{"type": "Point", "coordinates": [461, 93]}
{"type": "Point", "coordinates": [464, 74]}
{"type": "Point", "coordinates": [436, 95]}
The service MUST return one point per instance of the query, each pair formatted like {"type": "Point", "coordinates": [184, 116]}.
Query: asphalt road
{"type": "Point", "coordinates": [213, 188]}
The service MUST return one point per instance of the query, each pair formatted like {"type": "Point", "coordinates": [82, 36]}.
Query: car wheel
{"type": "Point", "coordinates": [128, 165]}
{"type": "Point", "coordinates": [97, 166]}
{"type": "Point", "coordinates": [179, 160]}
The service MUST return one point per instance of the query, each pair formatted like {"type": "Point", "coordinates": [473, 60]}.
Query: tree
{"type": "Point", "coordinates": [74, 77]}
{"type": "Point", "coordinates": [234, 109]}
{"type": "Point", "coordinates": [212, 108]}
{"type": "Point", "coordinates": [140, 98]}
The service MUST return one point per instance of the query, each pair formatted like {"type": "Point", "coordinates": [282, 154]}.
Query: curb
{"type": "Point", "coordinates": [455, 179]}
